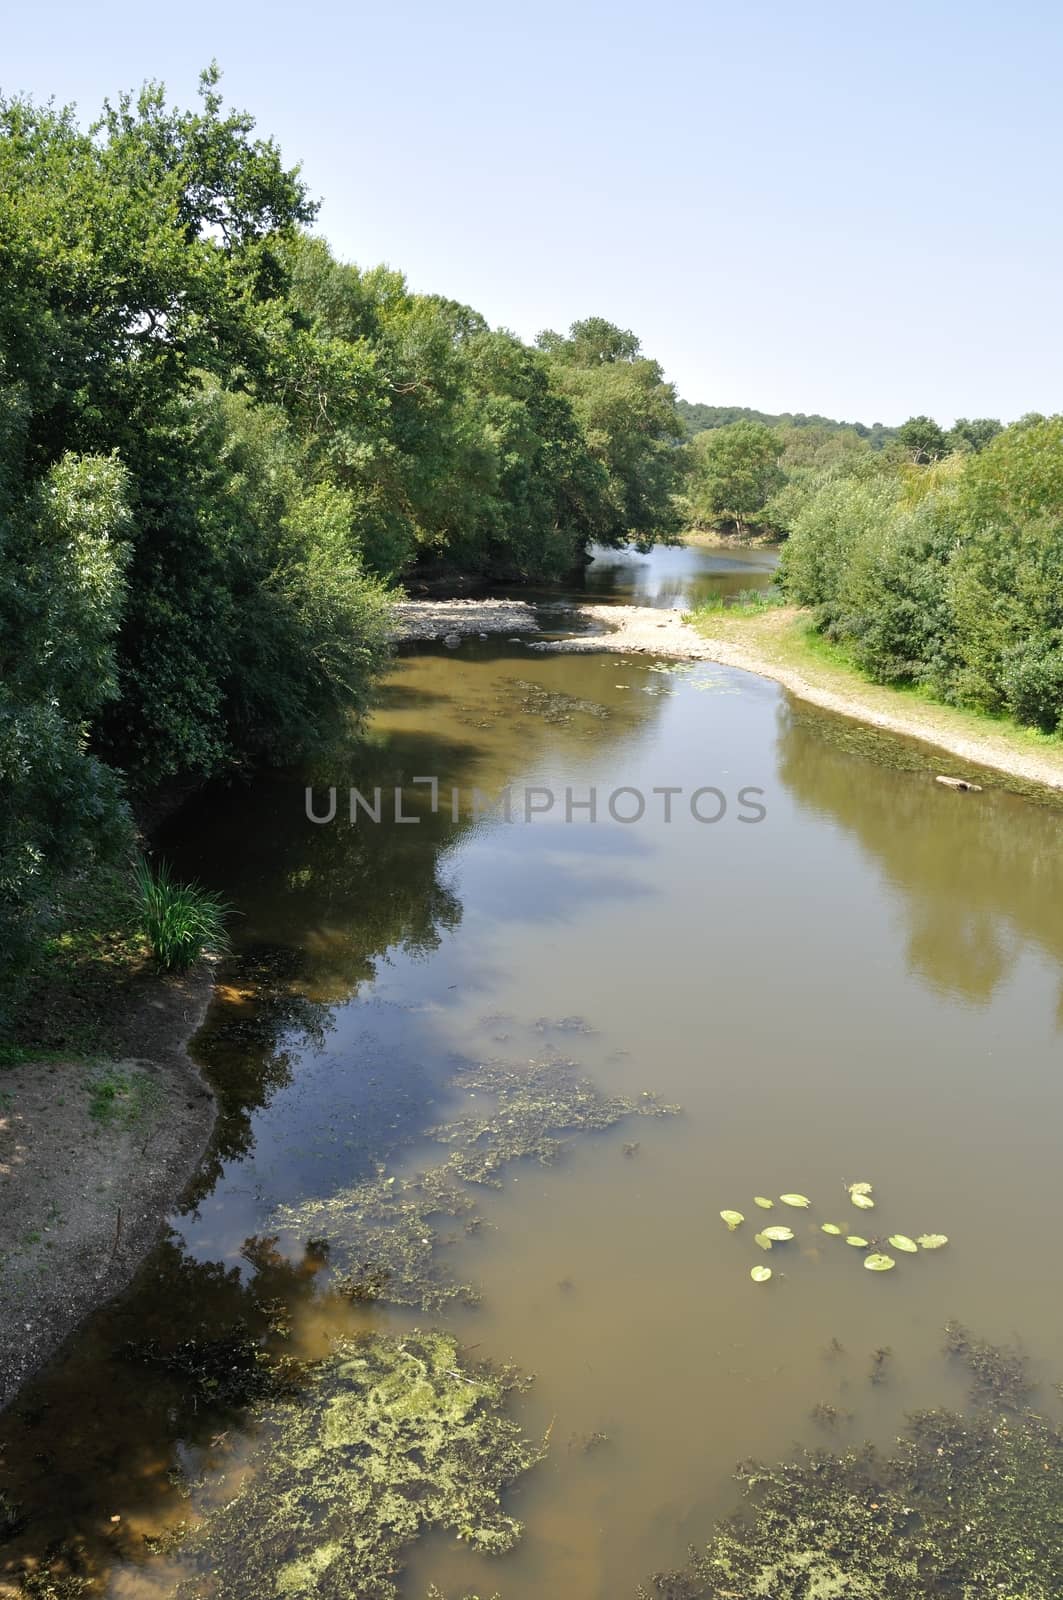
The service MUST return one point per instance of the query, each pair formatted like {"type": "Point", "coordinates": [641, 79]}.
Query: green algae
{"type": "Point", "coordinates": [391, 1437]}
{"type": "Point", "coordinates": [380, 1233]}
{"type": "Point", "coordinates": [966, 1507]}
{"type": "Point", "coordinates": [538, 1107]}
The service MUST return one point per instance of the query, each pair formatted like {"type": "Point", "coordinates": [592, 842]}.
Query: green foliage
{"type": "Point", "coordinates": [698, 418]}
{"type": "Point", "coordinates": [628, 415]}
{"type": "Point", "coordinates": [923, 440]}
{"type": "Point", "coordinates": [181, 921]}
{"type": "Point", "coordinates": [973, 433]}
{"type": "Point", "coordinates": [218, 445]}
{"type": "Point", "coordinates": [735, 471]}
{"type": "Point", "coordinates": [63, 556]}
{"type": "Point", "coordinates": [948, 575]}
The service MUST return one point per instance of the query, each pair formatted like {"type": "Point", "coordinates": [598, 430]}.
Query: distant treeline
{"type": "Point", "coordinates": [936, 561]}
{"type": "Point", "coordinates": [698, 418]}
{"type": "Point", "coordinates": [219, 449]}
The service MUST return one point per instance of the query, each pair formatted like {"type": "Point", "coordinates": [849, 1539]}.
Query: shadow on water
{"type": "Point", "coordinates": [318, 1082]}
{"type": "Point", "coordinates": [970, 907]}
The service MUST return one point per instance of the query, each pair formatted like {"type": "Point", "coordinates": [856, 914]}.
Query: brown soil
{"type": "Point", "coordinates": [93, 1154]}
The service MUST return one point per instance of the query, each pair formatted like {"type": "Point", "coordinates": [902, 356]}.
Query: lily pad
{"type": "Point", "coordinates": [855, 1239]}
{"type": "Point", "coordinates": [795, 1200]}
{"type": "Point", "coordinates": [763, 1240]}
{"type": "Point", "coordinates": [760, 1274]}
{"type": "Point", "coordinates": [901, 1241]}
{"type": "Point", "coordinates": [932, 1241]}
{"type": "Point", "coordinates": [859, 1188]}
{"type": "Point", "coordinates": [879, 1263]}
{"type": "Point", "coordinates": [830, 1227]}
{"type": "Point", "coordinates": [779, 1233]}
{"type": "Point", "coordinates": [732, 1219]}
{"type": "Point", "coordinates": [864, 1201]}
{"type": "Point", "coordinates": [763, 1202]}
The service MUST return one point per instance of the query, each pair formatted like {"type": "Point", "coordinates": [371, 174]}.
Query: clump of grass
{"type": "Point", "coordinates": [746, 603]}
{"type": "Point", "coordinates": [181, 920]}
{"type": "Point", "coordinates": [120, 1099]}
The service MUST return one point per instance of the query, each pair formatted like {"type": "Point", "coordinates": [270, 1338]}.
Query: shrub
{"type": "Point", "coordinates": [181, 920]}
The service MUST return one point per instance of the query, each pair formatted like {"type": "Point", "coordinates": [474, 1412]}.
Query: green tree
{"type": "Point", "coordinates": [973, 433]}
{"type": "Point", "coordinates": [628, 416]}
{"type": "Point", "coordinates": [735, 472]}
{"type": "Point", "coordinates": [923, 440]}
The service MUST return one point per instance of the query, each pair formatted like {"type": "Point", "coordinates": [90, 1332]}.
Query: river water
{"type": "Point", "coordinates": [864, 984]}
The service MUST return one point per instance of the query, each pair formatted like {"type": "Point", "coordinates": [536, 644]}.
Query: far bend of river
{"type": "Point", "coordinates": [864, 985]}
{"type": "Point", "coordinates": [677, 576]}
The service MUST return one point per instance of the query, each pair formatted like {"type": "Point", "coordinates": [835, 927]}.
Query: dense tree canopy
{"type": "Point", "coordinates": [628, 415]}
{"type": "Point", "coordinates": [735, 471]}
{"type": "Point", "coordinates": [218, 448]}
{"type": "Point", "coordinates": [947, 574]}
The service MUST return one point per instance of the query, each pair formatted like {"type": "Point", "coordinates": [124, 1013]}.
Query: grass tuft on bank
{"type": "Point", "coordinates": [113, 927]}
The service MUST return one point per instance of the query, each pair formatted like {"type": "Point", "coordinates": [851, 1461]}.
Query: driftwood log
{"type": "Point", "coordinates": [959, 783]}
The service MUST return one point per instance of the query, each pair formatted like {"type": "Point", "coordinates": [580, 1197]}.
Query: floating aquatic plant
{"type": "Point", "coordinates": [861, 1196]}
{"type": "Point", "coordinates": [760, 1274]}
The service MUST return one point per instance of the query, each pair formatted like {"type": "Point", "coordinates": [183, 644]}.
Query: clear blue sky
{"type": "Point", "coordinates": [798, 206]}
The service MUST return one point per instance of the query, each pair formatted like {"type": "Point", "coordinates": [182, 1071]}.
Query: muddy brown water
{"type": "Point", "coordinates": [864, 985]}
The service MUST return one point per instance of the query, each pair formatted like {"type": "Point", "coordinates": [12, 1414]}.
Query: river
{"type": "Point", "coordinates": [864, 983]}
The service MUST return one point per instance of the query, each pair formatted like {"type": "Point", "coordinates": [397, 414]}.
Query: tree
{"type": "Point", "coordinates": [735, 472]}
{"type": "Point", "coordinates": [922, 440]}
{"type": "Point", "coordinates": [628, 416]}
{"type": "Point", "coordinates": [63, 553]}
{"type": "Point", "coordinates": [973, 434]}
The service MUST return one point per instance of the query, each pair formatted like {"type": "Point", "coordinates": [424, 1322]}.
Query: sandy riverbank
{"type": "Point", "coordinates": [93, 1155]}
{"type": "Point", "coordinates": [772, 644]}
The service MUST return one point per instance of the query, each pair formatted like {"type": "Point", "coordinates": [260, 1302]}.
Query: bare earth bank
{"type": "Point", "coordinates": [93, 1155]}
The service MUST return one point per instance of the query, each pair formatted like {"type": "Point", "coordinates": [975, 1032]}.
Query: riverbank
{"type": "Point", "coordinates": [95, 1150]}
{"type": "Point", "coordinates": [425, 620]}
{"type": "Point", "coordinates": [775, 643]}
{"type": "Point", "coordinates": [712, 539]}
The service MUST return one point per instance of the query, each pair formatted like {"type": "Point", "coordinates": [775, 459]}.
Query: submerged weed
{"type": "Point", "coordinates": [380, 1233]}
{"type": "Point", "coordinates": [966, 1507]}
{"type": "Point", "coordinates": [392, 1437]}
